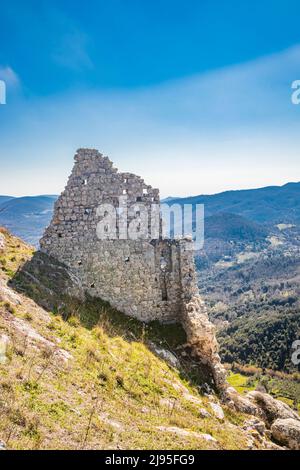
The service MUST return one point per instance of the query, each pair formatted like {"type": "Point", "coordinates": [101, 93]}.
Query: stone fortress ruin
{"type": "Point", "coordinates": [144, 277]}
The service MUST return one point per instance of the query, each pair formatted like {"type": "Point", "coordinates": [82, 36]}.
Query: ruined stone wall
{"type": "Point", "coordinates": [149, 279]}
{"type": "Point", "coordinates": [140, 277]}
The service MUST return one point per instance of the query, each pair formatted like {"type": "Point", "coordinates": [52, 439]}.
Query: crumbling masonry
{"type": "Point", "coordinates": [149, 279]}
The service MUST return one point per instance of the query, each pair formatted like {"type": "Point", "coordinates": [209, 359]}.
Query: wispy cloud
{"type": "Point", "coordinates": [231, 128]}
{"type": "Point", "coordinates": [9, 76]}
{"type": "Point", "coordinates": [72, 51]}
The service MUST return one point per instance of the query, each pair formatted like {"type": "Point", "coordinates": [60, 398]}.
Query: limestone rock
{"type": "Point", "coordinates": [255, 424]}
{"type": "Point", "coordinates": [114, 424]}
{"type": "Point", "coordinates": [201, 338]}
{"type": "Point", "coordinates": [191, 398]}
{"type": "Point", "coordinates": [2, 445]}
{"type": "Point", "coordinates": [218, 411]}
{"type": "Point", "coordinates": [287, 432]}
{"type": "Point", "coordinates": [185, 433]}
{"type": "Point", "coordinates": [4, 343]}
{"type": "Point", "coordinates": [165, 355]}
{"type": "Point", "coordinates": [240, 403]}
{"type": "Point", "coordinates": [271, 408]}
{"type": "Point", "coordinates": [204, 413]}
{"type": "Point", "coordinates": [2, 241]}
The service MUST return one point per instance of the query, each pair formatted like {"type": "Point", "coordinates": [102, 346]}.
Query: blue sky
{"type": "Point", "coordinates": [194, 95]}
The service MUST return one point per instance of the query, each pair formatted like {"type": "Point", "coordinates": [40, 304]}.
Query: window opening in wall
{"type": "Point", "coordinates": [59, 235]}
{"type": "Point", "coordinates": [164, 296]}
{"type": "Point", "coordinates": [138, 199]}
{"type": "Point", "coordinates": [163, 263]}
{"type": "Point", "coordinates": [164, 292]}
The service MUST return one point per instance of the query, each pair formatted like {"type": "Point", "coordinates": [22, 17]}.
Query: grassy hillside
{"type": "Point", "coordinates": [85, 376]}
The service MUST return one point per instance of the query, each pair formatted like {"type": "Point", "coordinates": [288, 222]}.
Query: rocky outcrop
{"type": "Point", "coordinates": [186, 433]}
{"type": "Point", "coordinates": [255, 424]}
{"type": "Point", "coordinates": [2, 241]}
{"type": "Point", "coordinates": [272, 409]}
{"type": "Point", "coordinates": [239, 402]}
{"type": "Point", "coordinates": [270, 417]}
{"type": "Point", "coordinates": [287, 432]}
{"type": "Point", "coordinates": [202, 340]}
{"type": "Point", "coordinates": [218, 411]}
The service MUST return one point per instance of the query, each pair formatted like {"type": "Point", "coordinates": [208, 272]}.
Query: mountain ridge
{"type": "Point", "coordinates": [263, 205]}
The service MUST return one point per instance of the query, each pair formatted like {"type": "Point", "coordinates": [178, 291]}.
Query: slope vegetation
{"type": "Point", "coordinates": [78, 374]}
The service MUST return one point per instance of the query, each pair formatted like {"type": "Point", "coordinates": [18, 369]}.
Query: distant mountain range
{"type": "Point", "coordinates": [247, 215]}
{"type": "Point", "coordinates": [5, 198]}
{"type": "Point", "coordinates": [272, 204]}
{"type": "Point", "coordinates": [238, 215]}
{"type": "Point", "coordinates": [26, 216]}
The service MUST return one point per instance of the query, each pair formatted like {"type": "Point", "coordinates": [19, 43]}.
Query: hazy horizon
{"type": "Point", "coordinates": [175, 196]}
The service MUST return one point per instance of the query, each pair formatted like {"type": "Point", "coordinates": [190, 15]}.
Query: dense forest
{"type": "Point", "coordinates": [252, 290]}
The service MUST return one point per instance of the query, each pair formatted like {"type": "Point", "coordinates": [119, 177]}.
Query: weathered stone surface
{"type": "Point", "coordinates": [2, 445]}
{"type": "Point", "coordinates": [271, 408]}
{"type": "Point", "coordinates": [115, 425]}
{"type": "Point", "coordinates": [202, 339]}
{"type": "Point", "coordinates": [185, 433]}
{"type": "Point", "coordinates": [203, 413]}
{"type": "Point", "coordinates": [127, 273]}
{"type": "Point", "coordinates": [255, 424]}
{"type": "Point", "coordinates": [267, 413]}
{"type": "Point", "coordinates": [240, 403]}
{"type": "Point", "coordinates": [4, 342]}
{"type": "Point", "coordinates": [165, 355]}
{"type": "Point", "coordinates": [218, 411]}
{"type": "Point", "coordinates": [287, 432]}
{"type": "Point", "coordinates": [2, 241]}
